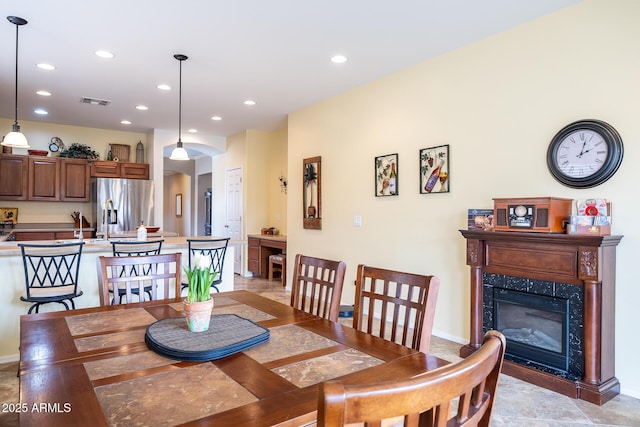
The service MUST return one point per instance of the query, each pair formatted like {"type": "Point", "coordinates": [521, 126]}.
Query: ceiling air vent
{"type": "Point", "coordinates": [94, 101]}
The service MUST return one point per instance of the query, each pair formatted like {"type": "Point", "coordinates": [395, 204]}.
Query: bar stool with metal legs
{"type": "Point", "coordinates": [51, 273]}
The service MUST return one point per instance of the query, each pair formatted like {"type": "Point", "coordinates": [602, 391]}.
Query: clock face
{"type": "Point", "coordinates": [520, 210]}
{"type": "Point", "coordinates": [581, 153]}
{"type": "Point", "coordinates": [585, 154]}
{"type": "Point", "coordinates": [56, 144]}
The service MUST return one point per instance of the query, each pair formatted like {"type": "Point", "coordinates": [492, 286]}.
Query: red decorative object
{"type": "Point", "coordinates": [38, 152]}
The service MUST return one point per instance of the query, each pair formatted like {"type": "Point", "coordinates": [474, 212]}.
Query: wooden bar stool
{"type": "Point", "coordinates": [278, 263]}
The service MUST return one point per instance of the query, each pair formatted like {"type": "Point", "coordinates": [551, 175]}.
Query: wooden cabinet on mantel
{"type": "Point", "coordinates": [42, 178]}
{"type": "Point", "coordinates": [109, 169]}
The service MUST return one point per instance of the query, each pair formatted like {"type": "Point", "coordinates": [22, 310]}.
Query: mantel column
{"type": "Point", "coordinates": [475, 260]}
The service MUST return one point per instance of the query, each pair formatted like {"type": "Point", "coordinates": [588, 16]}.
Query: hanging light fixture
{"type": "Point", "coordinates": [15, 138]}
{"type": "Point", "coordinates": [180, 153]}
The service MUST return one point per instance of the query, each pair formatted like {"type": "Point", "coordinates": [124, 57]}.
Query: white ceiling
{"type": "Point", "coordinates": [274, 52]}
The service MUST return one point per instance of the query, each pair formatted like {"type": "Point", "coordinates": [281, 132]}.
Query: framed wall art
{"type": "Point", "coordinates": [434, 170]}
{"type": "Point", "coordinates": [311, 193]}
{"type": "Point", "coordinates": [179, 204]}
{"type": "Point", "coordinates": [386, 169]}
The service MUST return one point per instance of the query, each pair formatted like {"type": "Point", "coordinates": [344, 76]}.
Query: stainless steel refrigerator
{"type": "Point", "coordinates": [121, 204]}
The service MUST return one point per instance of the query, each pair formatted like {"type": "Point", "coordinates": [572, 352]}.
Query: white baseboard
{"type": "Point", "coordinates": [449, 337]}
{"type": "Point", "coordinates": [629, 392]}
{"type": "Point", "coordinates": [9, 359]}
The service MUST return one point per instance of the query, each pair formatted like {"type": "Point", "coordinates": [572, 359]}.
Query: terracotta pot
{"type": "Point", "coordinates": [198, 314]}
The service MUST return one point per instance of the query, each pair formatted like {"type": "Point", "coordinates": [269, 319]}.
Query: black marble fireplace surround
{"type": "Point", "coordinates": [572, 294]}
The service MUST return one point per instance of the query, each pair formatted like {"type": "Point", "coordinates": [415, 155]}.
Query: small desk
{"type": "Point", "coordinates": [261, 246]}
{"type": "Point", "coordinates": [92, 367]}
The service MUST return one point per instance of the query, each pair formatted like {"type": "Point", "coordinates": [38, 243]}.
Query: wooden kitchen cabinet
{"type": "Point", "coordinates": [259, 249]}
{"type": "Point", "coordinates": [134, 170]}
{"type": "Point", "coordinates": [109, 169]}
{"type": "Point", "coordinates": [14, 177]}
{"type": "Point", "coordinates": [253, 264]}
{"type": "Point", "coordinates": [41, 178]}
{"type": "Point", "coordinates": [44, 178]}
{"type": "Point", "coordinates": [25, 236]}
{"type": "Point", "coordinates": [75, 180]}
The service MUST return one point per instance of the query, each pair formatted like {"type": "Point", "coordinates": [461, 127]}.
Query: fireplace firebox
{"type": "Point", "coordinates": [553, 297]}
{"type": "Point", "coordinates": [542, 322]}
{"type": "Point", "coordinates": [535, 326]}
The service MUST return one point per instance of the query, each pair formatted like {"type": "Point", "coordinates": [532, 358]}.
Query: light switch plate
{"type": "Point", "coordinates": [357, 221]}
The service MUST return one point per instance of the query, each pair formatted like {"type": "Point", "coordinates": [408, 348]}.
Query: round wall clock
{"type": "Point", "coordinates": [56, 144]}
{"type": "Point", "coordinates": [585, 153]}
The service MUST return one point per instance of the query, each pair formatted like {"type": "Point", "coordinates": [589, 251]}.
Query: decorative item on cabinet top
{"type": "Point", "coordinates": [80, 151]}
{"type": "Point", "coordinates": [120, 152]}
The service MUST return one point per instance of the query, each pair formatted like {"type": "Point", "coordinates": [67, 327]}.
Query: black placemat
{"type": "Point", "coordinates": [227, 334]}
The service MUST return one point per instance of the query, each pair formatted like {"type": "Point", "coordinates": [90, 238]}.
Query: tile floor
{"type": "Point", "coordinates": [518, 404]}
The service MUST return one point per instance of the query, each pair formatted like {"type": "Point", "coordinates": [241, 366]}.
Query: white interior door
{"type": "Point", "coordinates": [234, 213]}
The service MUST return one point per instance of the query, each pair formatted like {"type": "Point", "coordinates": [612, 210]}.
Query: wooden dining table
{"type": "Point", "coordinates": [91, 367]}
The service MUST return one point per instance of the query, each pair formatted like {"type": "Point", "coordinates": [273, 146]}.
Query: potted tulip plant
{"type": "Point", "coordinates": [199, 304]}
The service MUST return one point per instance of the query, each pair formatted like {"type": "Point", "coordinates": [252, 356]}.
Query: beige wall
{"type": "Point", "coordinates": [497, 103]}
{"type": "Point", "coordinates": [39, 135]}
{"type": "Point", "coordinates": [277, 166]}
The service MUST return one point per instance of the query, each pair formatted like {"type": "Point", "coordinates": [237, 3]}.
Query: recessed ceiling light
{"type": "Point", "coordinates": [104, 54]}
{"type": "Point", "coordinates": [338, 59]}
{"type": "Point", "coordinates": [193, 130]}
{"type": "Point", "coordinates": [40, 111]}
{"type": "Point", "coordinates": [47, 67]}
{"type": "Point", "coordinates": [142, 107]}
{"type": "Point", "coordinates": [163, 87]}
{"type": "Point", "coordinates": [43, 93]}
{"type": "Point", "coordinates": [125, 122]}
{"type": "Point", "coordinates": [216, 118]}
{"type": "Point", "coordinates": [249, 102]}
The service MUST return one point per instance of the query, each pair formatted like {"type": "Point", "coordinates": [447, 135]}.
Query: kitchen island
{"type": "Point", "coordinates": [13, 283]}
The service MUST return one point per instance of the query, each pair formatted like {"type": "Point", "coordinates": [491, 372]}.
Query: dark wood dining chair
{"type": "Point", "coordinates": [215, 249]}
{"type": "Point", "coordinates": [396, 306]}
{"type": "Point", "coordinates": [460, 394]}
{"type": "Point", "coordinates": [159, 272]}
{"type": "Point", "coordinates": [51, 273]}
{"type": "Point", "coordinates": [317, 286]}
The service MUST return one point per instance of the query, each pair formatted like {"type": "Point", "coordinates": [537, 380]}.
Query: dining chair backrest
{"type": "Point", "coordinates": [51, 273]}
{"type": "Point", "coordinates": [215, 249]}
{"type": "Point", "coordinates": [460, 394]}
{"type": "Point", "coordinates": [396, 306]}
{"type": "Point", "coordinates": [317, 286]}
{"type": "Point", "coordinates": [162, 271]}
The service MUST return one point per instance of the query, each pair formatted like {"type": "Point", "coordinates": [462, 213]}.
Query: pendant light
{"type": "Point", "coordinates": [180, 153]}
{"type": "Point", "coordinates": [15, 138]}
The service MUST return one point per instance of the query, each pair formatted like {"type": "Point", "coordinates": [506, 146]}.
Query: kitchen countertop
{"type": "Point", "coordinates": [278, 237]}
{"type": "Point", "coordinates": [101, 245]}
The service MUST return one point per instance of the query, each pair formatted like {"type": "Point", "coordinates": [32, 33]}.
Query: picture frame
{"type": "Point", "coordinates": [179, 204]}
{"type": "Point", "coordinates": [435, 173]}
{"type": "Point", "coordinates": [386, 175]}
{"type": "Point", "coordinates": [312, 193]}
